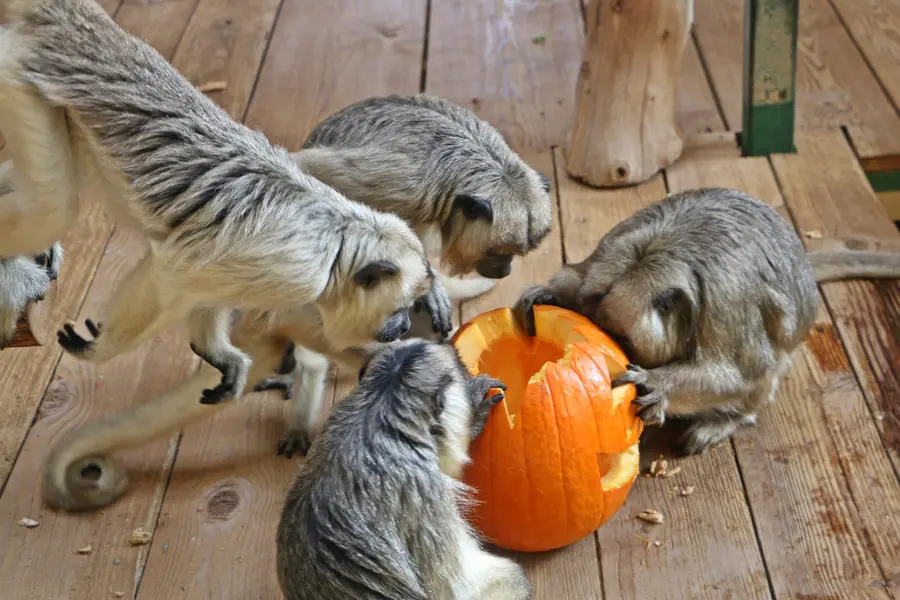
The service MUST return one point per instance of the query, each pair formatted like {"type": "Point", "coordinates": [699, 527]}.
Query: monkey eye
{"type": "Point", "coordinates": [474, 208]}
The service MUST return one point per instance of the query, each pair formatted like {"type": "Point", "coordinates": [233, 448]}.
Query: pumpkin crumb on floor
{"type": "Point", "coordinates": [660, 468]}
{"type": "Point", "coordinates": [140, 536]}
{"type": "Point", "coordinates": [651, 516]}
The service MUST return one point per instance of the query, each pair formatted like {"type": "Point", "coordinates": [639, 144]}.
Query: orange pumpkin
{"type": "Point", "coordinates": [559, 454]}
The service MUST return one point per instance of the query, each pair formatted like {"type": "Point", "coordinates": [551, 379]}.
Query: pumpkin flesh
{"type": "Point", "coordinates": [558, 455]}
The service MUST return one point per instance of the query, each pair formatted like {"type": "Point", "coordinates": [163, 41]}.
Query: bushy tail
{"type": "Point", "coordinates": [847, 264]}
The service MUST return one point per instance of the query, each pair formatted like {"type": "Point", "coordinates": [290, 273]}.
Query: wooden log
{"type": "Point", "coordinates": [625, 127]}
{"type": "Point", "coordinates": [36, 327]}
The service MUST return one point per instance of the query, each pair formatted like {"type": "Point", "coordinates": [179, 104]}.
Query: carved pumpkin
{"type": "Point", "coordinates": [559, 454]}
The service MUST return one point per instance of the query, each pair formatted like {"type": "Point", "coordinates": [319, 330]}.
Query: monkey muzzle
{"type": "Point", "coordinates": [494, 267]}
{"type": "Point", "coordinates": [394, 327]}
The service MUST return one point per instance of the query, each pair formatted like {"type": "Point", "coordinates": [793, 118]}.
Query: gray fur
{"type": "Point", "coordinates": [432, 163]}
{"type": "Point", "coordinates": [710, 292]}
{"type": "Point", "coordinates": [24, 279]}
{"type": "Point", "coordinates": [374, 513]}
{"type": "Point", "coordinates": [231, 219]}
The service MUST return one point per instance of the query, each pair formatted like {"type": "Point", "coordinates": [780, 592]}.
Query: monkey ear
{"type": "Point", "coordinates": [375, 271]}
{"type": "Point", "coordinates": [545, 182]}
{"type": "Point", "coordinates": [475, 208]}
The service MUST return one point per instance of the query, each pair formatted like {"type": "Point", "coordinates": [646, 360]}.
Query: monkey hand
{"type": "Point", "coordinates": [437, 303]}
{"type": "Point", "coordinates": [523, 309]}
{"type": "Point", "coordinates": [486, 392]}
{"type": "Point", "coordinates": [73, 343]}
{"type": "Point", "coordinates": [294, 441]}
{"type": "Point", "coordinates": [651, 400]}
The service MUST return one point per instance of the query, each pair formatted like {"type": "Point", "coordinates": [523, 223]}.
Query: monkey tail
{"type": "Point", "coordinates": [847, 264]}
{"type": "Point", "coordinates": [79, 474]}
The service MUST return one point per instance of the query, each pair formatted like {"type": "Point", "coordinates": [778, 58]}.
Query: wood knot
{"type": "Point", "coordinates": [58, 394]}
{"type": "Point", "coordinates": [222, 504]}
{"type": "Point", "coordinates": [665, 36]}
{"type": "Point", "coordinates": [620, 174]}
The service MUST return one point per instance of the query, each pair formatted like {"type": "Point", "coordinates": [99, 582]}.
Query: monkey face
{"type": "Point", "coordinates": [647, 304]}
{"type": "Point", "coordinates": [498, 217]}
{"type": "Point", "coordinates": [373, 304]}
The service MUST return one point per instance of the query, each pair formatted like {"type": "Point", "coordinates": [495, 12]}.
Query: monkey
{"type": "Point", "coordinates": [376, 509]}
{"type": "Point", "coordinates": [449, 174]}
{"type": "Point", "coordinates": [230, 219]}
{"type": "Point", "coordinates": [25, 279]}
{"type": "Point", "coordinates": [709, 292]}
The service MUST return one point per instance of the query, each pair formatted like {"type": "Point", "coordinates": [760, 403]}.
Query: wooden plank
{"type": "Point", "coordinates": [708, 547]}
{"type": "Point", "coordinates": [514, 63]}
{"type": "Point", "coordinates": [817, 185]}
{"type": "Point", "coordinates": [834, 84]}
{"type": "Point", "coordinates": [574, 568]}
{"type": "Point", "coordinates": [326, 55]}
{"type": "Point", "coordinates": [696, 109]}
{"type": "Point", "coordinates": [770, 76]}
{"type": "Point", "coordinates": [228, 485]}
{"type": "Point", "coordinates": [81, 392]}
{"type": "Point", "coordinates": [810, 466]}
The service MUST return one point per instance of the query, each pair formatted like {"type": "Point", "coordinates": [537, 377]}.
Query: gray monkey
{"type": "Point", "coordinates": [374, 512]}
{"type": "Point", "coordinates": [709, 292]}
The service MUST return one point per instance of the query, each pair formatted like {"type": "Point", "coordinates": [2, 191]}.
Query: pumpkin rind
{"type": "Point", "coordinates": [537, 467]}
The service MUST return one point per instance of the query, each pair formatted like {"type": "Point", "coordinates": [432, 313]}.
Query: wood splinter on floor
{"type": "Point", "coordinates": [212, 86]}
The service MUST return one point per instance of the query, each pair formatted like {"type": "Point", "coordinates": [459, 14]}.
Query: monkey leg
{"type": "Point", "coordinates": [286, 374]}
{"type": "Point", "coordinates": [306, 404]}
{"type": "Point", "coordinates": [39, 187]}
{"type": "Point", "coordinates": [142, 305]}
{"type": "Point", "coordinates": [210, 341]}
{"type": "Point", "coordinates": [79, 472]}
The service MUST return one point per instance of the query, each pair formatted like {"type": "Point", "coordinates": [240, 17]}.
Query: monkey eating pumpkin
{"type": "Point", "coordinates": [559, 454]}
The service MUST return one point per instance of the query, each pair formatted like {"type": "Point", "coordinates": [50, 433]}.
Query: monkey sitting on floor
{"type": "Point", "coordinates": [709, 292]}
{"type": "Point", "coordinates": [230, 219]}
{"type": "Point", "coordinates": [447, 173]}
{"type": "Point", "coordinates": [375, 510]}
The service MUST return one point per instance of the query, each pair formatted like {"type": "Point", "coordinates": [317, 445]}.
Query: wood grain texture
{"type": "Point", "coordinates": [828, 193]}
{"type": "Point", "coordinates": [79, 393]}
{"type": "Point", "coordinates": [574, 568]}
{"type": "Point", "coordinates": [35, 327]}
{"type": "Point", "coordinates": [326, 55]}
{"type": "Point", "coordinates": [835, 86]}
{"type": "Point", "coordinates": [514, 63]}
{"type": "Point", "coordinates": [708, 549]}
{"type": "Point", "coordinates": [812, 464]}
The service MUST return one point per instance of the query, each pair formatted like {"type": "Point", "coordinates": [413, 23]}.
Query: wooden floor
{"type": "Point", "coordinates": [804, 506]}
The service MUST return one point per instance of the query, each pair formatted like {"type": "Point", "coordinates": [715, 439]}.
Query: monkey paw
{"type": "Point", "coordinates": [534, 295]}
{"type": "Point", "coordinates": [437, 303]}
{"type": "Point", "coordinates": [487, 392]}
{"type": "Point", "coordinates": [294, 441]}
{"type": "Point", "coordinates": [652, 403]}
{"type": "Point", "coordinates": [284, 382]}
{"type": "Point", "coordinates": [73, 343]}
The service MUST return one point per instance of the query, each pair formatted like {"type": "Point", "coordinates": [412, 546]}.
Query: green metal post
{"type": "Point", "coordinates": [770, 76]}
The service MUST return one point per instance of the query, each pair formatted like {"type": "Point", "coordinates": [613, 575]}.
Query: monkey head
{"type": "Point", "coordinates": [375, 279]}
{"type": "Point", "coordinates": [643, 295]}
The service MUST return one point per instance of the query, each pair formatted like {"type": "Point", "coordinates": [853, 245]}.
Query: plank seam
{"type": "Point", "coordinates": [262, 60]}
{"type": "Point", "coordinates": [559, 206]}
{"type": "Point", "coordinates": [709, 79]}
{"type": "Point", "coordinates": [423, 76]}
{"type": "Point", "coordinates": [843, 22]}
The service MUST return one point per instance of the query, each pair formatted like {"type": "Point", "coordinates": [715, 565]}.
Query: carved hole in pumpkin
{"type": "Point", "coordinates": [515, 360]}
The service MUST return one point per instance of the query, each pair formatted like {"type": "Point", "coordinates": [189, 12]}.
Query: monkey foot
{"type": "Point", "coordinates": [285, 383]}
{"type": "Point", "coordinates": [75, 344]}
{"type": "Point", "coordinates": [704, 434]}
{"type": "Point", "coordinates": [294, 441]}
